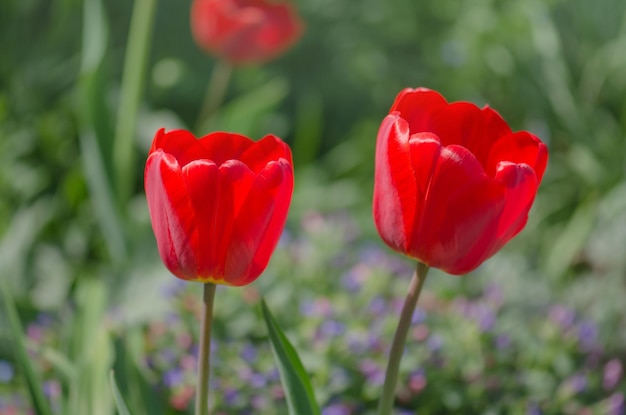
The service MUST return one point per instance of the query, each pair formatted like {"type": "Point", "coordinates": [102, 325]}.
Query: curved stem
{"type": "Point", "coordinates": [399, 339]}
{"type": "Point", "coordinates": [218, 85]}
{"type": "Point", "coordinates": [204, 354]}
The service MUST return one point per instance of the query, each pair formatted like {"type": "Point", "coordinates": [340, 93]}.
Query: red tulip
{"type": "Point", "coordinates": [218, 204]}
{"type": "Point", "coordinates": [245, 31]}
{"type": "Point", "coordinates": [453, 184]}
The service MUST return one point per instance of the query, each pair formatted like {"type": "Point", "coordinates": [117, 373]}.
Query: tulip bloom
{"type": "Point", "coordinates": [218, 204]}
{"type": "Point", "coordinates": [453, 183]}
{"type": "Point", "coordinates": [245, 31]}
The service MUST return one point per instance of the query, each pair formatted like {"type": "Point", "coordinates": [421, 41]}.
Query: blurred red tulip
{"type": "Point", "coordinates": [245, 31]}
{"type": "Point", "coordinates": [453, 184]}
{"type": "Point", "coordinates": [218, 204]}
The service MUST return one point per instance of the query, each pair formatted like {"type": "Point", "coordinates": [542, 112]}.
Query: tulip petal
{"type": "Point", "coordinates": [259, 223]}
{"type": "Point", "coordinates": [463, 123]}
{"type": "Point", "coordinates": [179, 143]}
{"type": "Point", "coordinates": [202, 179]}
{"type": "Point", "coordinates": [461, 213]}
{"type": "Point", "coordinates": [417, 106]}
{"type": "Point", "coordinates": [267, 149]}
{"type": "Point", "coordinates": [244, 32]}
{"type": "Point", "coordinates": [464, 190]}
{"type": "Point", "coordinates": [395, 194]}
{"type": "Point", "coordinates": [519, 147]}
{"type": "Point", "coordinates": [280, 26]}
{"type": "Point", "coordinates": [521, 185]}
{"type": "Point", "coordinates": [171, 214]}
{"type": "Point", "coordinates": [216, 194]}
{"type": "Point", "coordinates": [425, 153]}
{"type": "Point", "coordinates": [221, 147]}
{"type": "Point", "coordinates": [236, 181]}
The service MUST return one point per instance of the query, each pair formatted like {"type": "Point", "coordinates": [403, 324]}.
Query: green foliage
{"type": "Point", "coordinates": [295, 379]}
{"type": "Point", "coordinates": [122, 409]}
{"type": "Point", "coordinates": [81, 265]}
{"type": "Point", "coordinates": [40, 405]}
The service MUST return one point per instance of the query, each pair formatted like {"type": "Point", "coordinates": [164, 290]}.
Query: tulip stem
{"type": "Point", "coordinates": [399, 339]}
{"type": "Point", "coordinates": [204, 353]}
{"type": "Point", "coordinates": [218, 85]}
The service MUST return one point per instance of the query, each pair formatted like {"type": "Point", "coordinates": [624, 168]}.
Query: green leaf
{"type": "Point", "coordinates": [295, 380]}
{"type": "Point", "coordinates": [40, 404]}
{"type": "Point", "coordinates": [134, 380]}
{"type": "Point", "coordinates": [91, 350]}
{"type": "Point", "coordinates": [122, 409]}
{"type": "Point", "coordinates": [244, 113]}
{"type": "Point", "coordinates": [96, 130]}
{"type": "Point", "coordinates": [61, 363]}
{"type": "Point", "coordinates": [572, 239]}
{"type": "Point", "coordinates": [133, 78]}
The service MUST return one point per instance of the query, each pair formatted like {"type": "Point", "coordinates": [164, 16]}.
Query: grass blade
{"type": "Point", "coordinates": [96, 129]}
{"type": "Point", "coordinates": [135, 63]}
{"type": "Point", "coordinates": [295, 380]}
{"type": "Point", "coordinates": [122, 409]}
{"type": "Point", "coordinates": [40, 404]}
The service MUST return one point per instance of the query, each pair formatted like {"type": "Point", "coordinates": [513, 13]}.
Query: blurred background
{"type": "Point", "coordinates": [538, 329]}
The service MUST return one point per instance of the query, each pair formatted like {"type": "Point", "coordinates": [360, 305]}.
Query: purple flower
{"type": "Point", "coordinates": [258, 402]}
{"type": "Point", "coordinates": [167, 356]}
{"type": "Point", "coordinates": [285, 239]}
{"type": "Point", "coordinates": [421, 332]}
{"type": "Point", "coordinates": [245, 373]}
{"type": "Point", "coordinates": [575, 383]}
{"type": "Point", "coordinates": [587, 334]}
{"type": "Point", "coordinates": [372, 255]}
{"type": "Point", "coordinates": [533, 409]}
{"type": "Point", "coordinates": [356, 342]}
{"type": "Point", "coordinates": [52, 389]}
{"type": "Point", "coordinates": [312, 222]}
{"type": "Point", "coordinates": [493, 295]}
{"type": "Point", "coordinates": [417, 380]}
{"type": "Point", "coordinates": [484, 317]}
{"type": "Point", "coordinates": [35, 332]}
{"type": "Point", "coordinates": [249, 353]}
{"type": "Point", "coordinates": [353, 279]}
{"type": "Point", "coordinates": [374, 341]}
{"type": "Point", "coordinates": [7, 372]}
{"type": "Point", "coordinates": [612, 373]}
{"type": "Point", "coordinates": [372, 372]}
{"type": "Point", "coordinates": [173, 288]}
{"type": "Point", "coordinates": [320, 307]}
{"type": "Point", "coordinates": [173, 377]}
{"type": "Point", "coordinates": [257, 380]}
{"type": "Point", "coordinates": [561, 316]}
{"type": "Point", "coordinates": [461, 305]}
{"type": "Point", "coordinates": [230, 396]}
{"type": "Point", "coordinates": [377, 306]}
{"type": "Point", "coordinates": [336, 409]}
{"type": "Point", "coordinates": [503, 341]}
{"type": "Point", "coordinates": [332, 328]}
{"type": "Point", "coordinates": [272, 375]}
{"type": "Point", "coordinates": [44, 319]}
{"type": "Point", "coordinates": [616, 404]}
{"type": "Point", "coordinates": [418, 317]}
{"type": "Point", "coordinates": [434, 343]}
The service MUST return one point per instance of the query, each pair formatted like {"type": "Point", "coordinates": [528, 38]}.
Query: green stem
{"type": "Point", "coordinates": [135, 61]}
{"type": "Point", "coordinates": [216, 90]}
{"type": "Point", "coordinates": [399, 339]}
{"type": "Point", "coordinates": [204, 354]}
